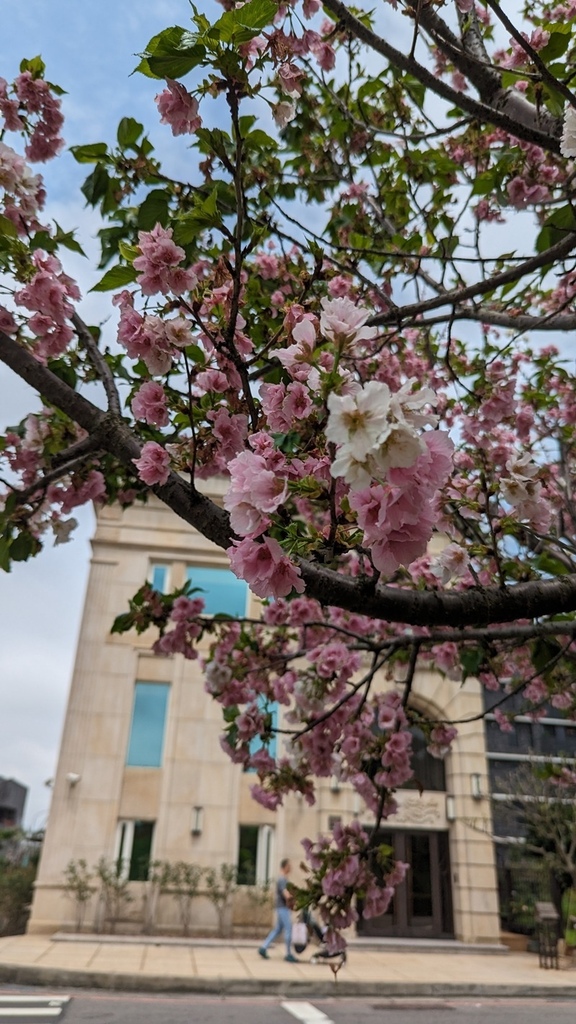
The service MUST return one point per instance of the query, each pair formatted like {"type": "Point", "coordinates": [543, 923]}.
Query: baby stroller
{"type": "Point", "coordinates": [305, 927]}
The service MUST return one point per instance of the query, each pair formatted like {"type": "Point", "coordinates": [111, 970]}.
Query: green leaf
{"type": "Point", "coordinates": [154, 210]}
{"type": "Point", "coordinates": [243, 23]}
{"type": "Point", "coordinates": [261, 140]}
{"type": "Point", "coordinates": [116, 277]}
{"type": "Point", "coordinates": [35, 66]}
{"type": "Point", "coordinates": [178, 65]}
{"type": "Point", "coordinates": [96, 185]}
{"type": "Point", "coordinates": [556, 227]}
{"type": "Point", "coordinates": [89, 154]}
{"type": "Point", "coordinates": [4, 554]}
{"type": "Point", "coordinates": [7, 228]}
{"type": "Point", "coordinates": [128, 252]}
{"type": "Point", "coordinates": [61, 369]}
{"type": "Point", "coordinates": [195, 353]}
{"type": "Point", "coordinates": [544, 650]}
{"type": "Point", "coordinates": [471, 659]}
{"type": "Point", "coordinates": [484, 183]}
{"type": "Point", "coordinates": [66, 238]}
{"type": "Point", "coordinates": [171, 54]}
{"type": "Point", "coordinates": [22, 547]}
{"type": "Point", "coordinates": [557, 44]}
{"type": "Point", "coordinates": [122, 623]}
{"type": "Point", "coordinates": [129, 130]}
{"type": "Point", "coordinates": [546, 562]}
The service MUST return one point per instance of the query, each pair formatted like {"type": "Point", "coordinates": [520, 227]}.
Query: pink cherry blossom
{"type": "Point", "coordinates": [178, 109]}
{"type": "Point", "coordinates": [7, 321]}
{"type": "Point", "coordinates": [254, 492]}
{"type": "Point", "coordinates": [343, 322]}
{"type": "Point", "coordinates": [149, 404]}
{"type": "Point", "coordinates": [158, 264]}
{"type": "Point", "coordinates": [265, 567]}
{"type": "Point", "coordinates": [154, 464]}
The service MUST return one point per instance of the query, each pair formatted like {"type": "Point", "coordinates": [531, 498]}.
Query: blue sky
{"type": "Point", "coordinates": [89, 51]}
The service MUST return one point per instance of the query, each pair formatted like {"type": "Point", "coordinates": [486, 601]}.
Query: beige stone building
{"type": "Point", "coordinates": [141, 775]}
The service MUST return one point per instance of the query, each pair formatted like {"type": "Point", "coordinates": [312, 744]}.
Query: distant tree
{"type": "Point", "coordinates": [185, 880]}
{"type": "Point", "coordinates": [543, 800]}
{"type": "Point", "coordinates": [114, 894]}
{"type": "Point", "coordinates": [78, 886]}
{"type": "Point", "coordinates": [220, 886]}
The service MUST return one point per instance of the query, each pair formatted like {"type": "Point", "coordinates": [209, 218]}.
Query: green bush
{"type": "Point", "coordinates": [16, 890]}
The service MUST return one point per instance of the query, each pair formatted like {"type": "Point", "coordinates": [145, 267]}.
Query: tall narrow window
{"type": "Point", "coordinates": [134, 849]}
{"type": "Point", "coordinates": [255, 854]}
{"type": "Point", "coordinates": [220, 590]}
{"type": "Point", "coordinates": [271, 708]}
{"type": "Point", "coordinates": [158, 577]}
{"type": "Point", "coordinates": [148, 721]}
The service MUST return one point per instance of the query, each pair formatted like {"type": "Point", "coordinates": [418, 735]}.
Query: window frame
{"type": "Point", "coordinates": [165, 582]}
{"type": "Point", "coordinates": [126, 866]}
{"type": "Point", "coordinates": [204, 592]}
{"type": "Point", "coordinates": [130, 760]}
{"type": "Point", "coordinates": [265, 836]}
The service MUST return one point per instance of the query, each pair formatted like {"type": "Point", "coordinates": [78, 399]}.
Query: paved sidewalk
{"type": "Point", "coordinates": [236, 969]}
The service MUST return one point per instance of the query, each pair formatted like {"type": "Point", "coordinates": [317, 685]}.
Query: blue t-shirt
{"type": "Point", "coordinates": [280, 900]}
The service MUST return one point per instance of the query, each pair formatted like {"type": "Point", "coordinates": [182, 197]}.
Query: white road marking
{"type": "Point", "coordinates": [51, 1000]}
{"type": "Point", "coordinates": [12, 1007]}
{"type": "Point", "coordinates": [306, 1012]}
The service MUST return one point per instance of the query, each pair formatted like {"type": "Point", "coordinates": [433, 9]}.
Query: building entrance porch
{"type": "Point", "coordinates": [422, 904]}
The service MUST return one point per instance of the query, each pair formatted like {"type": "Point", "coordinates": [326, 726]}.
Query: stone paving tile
{"type": "Point", "coordinates": [179, 962]}
{"type": "Point", "coordinates": [78, 958]}
{"type": "Point", "coordinates": [30, 953]}
{"type": "Point", "coordinates": [118, 959]}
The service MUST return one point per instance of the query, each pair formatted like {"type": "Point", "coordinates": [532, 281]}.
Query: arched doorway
{"type": "Point", "coordinates": [422, 904]}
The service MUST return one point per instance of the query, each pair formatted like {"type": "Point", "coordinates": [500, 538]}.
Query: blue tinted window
{"type": "Point", "coordinates": [221, 590]}
{"type": "Point", "coordinates": [270, 707]}
{"type": "Point", "coordinates": [158, 577]}
{"type": "Point", "coordinates": [148, 720]}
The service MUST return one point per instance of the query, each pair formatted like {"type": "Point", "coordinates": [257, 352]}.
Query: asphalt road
{"type": "Point", "coordinates": [35, 1006]}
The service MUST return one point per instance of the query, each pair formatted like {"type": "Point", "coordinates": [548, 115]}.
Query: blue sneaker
{"type": "Point", "coordinates": [291, 959]}
{"type": "Point", "coordinates": [263, 953]}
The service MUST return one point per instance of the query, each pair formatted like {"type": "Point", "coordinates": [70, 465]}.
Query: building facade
{"type": "Point", "coordinates": [12, 801]}
{"type": "Point", "coordinates": [141, 775]}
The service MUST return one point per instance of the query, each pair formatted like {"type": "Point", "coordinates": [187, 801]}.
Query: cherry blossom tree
{"type": "Point", "coordinates": [334, 313]}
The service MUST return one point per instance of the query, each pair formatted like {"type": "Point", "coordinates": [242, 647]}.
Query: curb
{"type": "Point", "coordinates": [19, 974]}
{"type": "Point", "coordinates": [454, 948]}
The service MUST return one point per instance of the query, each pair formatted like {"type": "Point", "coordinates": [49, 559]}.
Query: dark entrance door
{"type": "Point", "coordinates": [422, 905]}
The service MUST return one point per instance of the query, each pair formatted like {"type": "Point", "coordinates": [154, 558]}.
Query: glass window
{"type": "Point", "coordinates": [148, 721]}
{"type": "Point", "coordinates": [220, 590]}
{"type": "Point", "coordinates": [247, 854]}
{"type": "Point", "coordinates": [141, 850]}
{"type": "Point", "coordinates": [254, 854]}
{"type": "Point", "coordinates": [256, 744]}
{"type": "Point", "coordinates": [159, 578]}
{"type": "Point", "coordinates": [429, 772]}
{"type": "Point", "coordinates": [134, 849]}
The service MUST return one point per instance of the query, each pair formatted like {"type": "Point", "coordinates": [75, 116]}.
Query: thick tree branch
{"type": "Point", "coordinates": [472, 607]}
{"type": "Point", "coordinates": [534, 56]}
{"type": "Point", "coordinates": [117, 439]}
{"type": "Point", "coordinates": [514, 322]}
{"type": "Point", "coordinates": [99, 364]}
{"type": "Point", "coordinates": [505, 110]}
{"type": "Point", "coordinates": [486, 78]}
{"type": "Point", "coordinates": [481, 606]}
{"type": "Point", "coordinates": [490, 284]}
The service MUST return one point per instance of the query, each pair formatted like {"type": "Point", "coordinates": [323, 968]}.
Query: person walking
{"type": "Point", "coordinates": [282, 901]}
